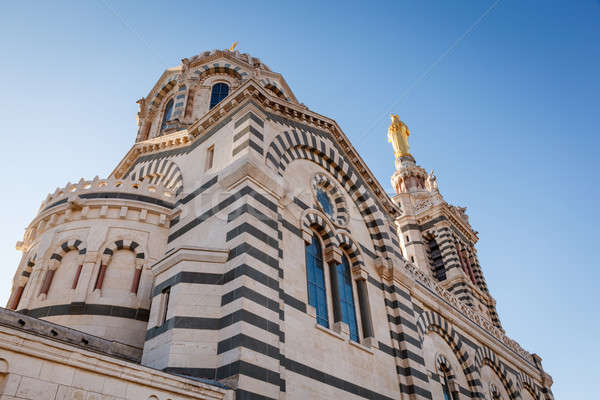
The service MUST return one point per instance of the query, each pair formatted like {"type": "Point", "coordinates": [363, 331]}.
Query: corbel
{"type": "Point", "coordinates": [74, 203]}
{"type": "Point", "coordinates": [332, 255]}
{"type": "Point", "coordinates": [360, 273]}
{"type": "Point", "coordinates": [307, 235]}
{"type": "Point", "coordinates": [143, 214]}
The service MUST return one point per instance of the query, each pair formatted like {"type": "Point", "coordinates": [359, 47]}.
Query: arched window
{"type": "Point", "coordinates": [219, 92]}
{"type": "Point", "coordinates": [316, 280]}
{"type": "Point", "coordinates": [344, 280]}
{"type": "Point", "coordinates": [167, 114]}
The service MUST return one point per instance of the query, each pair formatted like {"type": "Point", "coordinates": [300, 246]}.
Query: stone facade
{"type": "Point", "coordinates": [186, 272]}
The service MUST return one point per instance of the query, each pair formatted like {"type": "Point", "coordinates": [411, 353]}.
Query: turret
{"type": "Point", "coordinates": [87, 256]}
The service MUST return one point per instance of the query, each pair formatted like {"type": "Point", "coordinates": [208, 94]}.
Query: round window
{"type": "Point", "coordinates": [325, 202]}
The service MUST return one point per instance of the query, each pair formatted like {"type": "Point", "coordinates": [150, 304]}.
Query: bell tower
{"type": "Point", "coordinates": [436, 236]}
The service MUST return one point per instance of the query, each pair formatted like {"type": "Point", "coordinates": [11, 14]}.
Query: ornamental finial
{"type": "Point", "coordinates": [398, 136]}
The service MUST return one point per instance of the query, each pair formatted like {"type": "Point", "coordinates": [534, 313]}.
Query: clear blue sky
{"type": "Point", "coordinates": [507, 118]}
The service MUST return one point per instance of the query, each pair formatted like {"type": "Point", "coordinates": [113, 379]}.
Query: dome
{"type": "Point", "coordinates": [185, 93]}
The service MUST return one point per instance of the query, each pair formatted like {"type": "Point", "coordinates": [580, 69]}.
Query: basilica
{"type": "Point", "coordinates": [242, 249]}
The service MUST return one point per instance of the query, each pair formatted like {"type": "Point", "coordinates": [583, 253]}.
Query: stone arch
{"type": "Point", "coordinates": [485, 356]}
{"type": "Point", "coordinates": [56, 259]}
{"type": "Point", "coordinates": [528, 385]}
{"type": "Point", "coordinates": [322, 182]}
{"type": "Point", "coordinates": [273, 86]}
{"type": "Point", "coordinates": [109, 251]}
{"type": "Point", "coordinates": [163, 92]}
{"type": "Point", "coordinates": [221, 68]}
{"type": "Point", "coordinates": [289, 146]}
{"type": "Point", "coordinates": [315, 220]}
{"type": "Point", "coordinates": [64, 248]}
{"type": "Point", "coordinates": [346, 242]}
{"type": "Point", "coordinates": [430, 321]}
{"type": "Point", "coordinates": [26, 268]}
{"type": "Point", "coordinates": [124, 244]}
{"type": "Point", "coordinates": [21, 280]}
{"type": "Point", "coordinates": [162, 172]}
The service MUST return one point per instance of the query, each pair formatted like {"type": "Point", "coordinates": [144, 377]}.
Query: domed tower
{"type": "Point", "coordinates": [87, 256]}
{"type": "Point", "coordinates": [185, 93]}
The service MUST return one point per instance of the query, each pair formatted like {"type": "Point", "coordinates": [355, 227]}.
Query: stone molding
{"type": "Point", "coordinates": [252, 89]}
{"type": "Point", "coordinates": [21, 342]}
{"type": "Point", "coordinates": [190, 253]}
{"type": "Point", "coordinates": [474, 316]}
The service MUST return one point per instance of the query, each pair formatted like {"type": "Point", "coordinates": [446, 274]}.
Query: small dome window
{"type": "Point", "coordinates": [325, 202]}
{"type": "Point", "coordinates": [167, 114]}
{"type": "Point", "coordinates": [219, 92]}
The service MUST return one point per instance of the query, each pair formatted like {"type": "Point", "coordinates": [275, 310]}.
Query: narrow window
{"type": "Point", "coordinates": [166, 293]}
{"type": "Point", "coordinates": [446, 389]}
{"type": "Point", "coordinates": [344, 280]}
{"type": "Point", "coordinates": [210, 156]}
{"type": "Point", "coordinates": [167, 114]}
{"type": "Point", "coordinates": [437, 263]}
{"type": "Point", "coordinates": [316, 280]}
{"type": "Point", "coordinates": [324, 202]}
{"type": "Point", "coordinates": [219, 92]}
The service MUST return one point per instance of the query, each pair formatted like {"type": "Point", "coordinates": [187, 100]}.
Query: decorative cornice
{"type": "Point", "coordinates": [460, 224]}
{"type": "Point", "coordinates": [253, 90]}
{"type": "Point", "coordinates": [474, 316]}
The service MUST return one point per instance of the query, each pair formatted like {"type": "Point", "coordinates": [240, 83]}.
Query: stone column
{"type": "Point", "coordinates": [363, 303]}
{"type": "Point", "coordinates": [16, 297]}
{"type": "Point", "coordinates": [333, 257]}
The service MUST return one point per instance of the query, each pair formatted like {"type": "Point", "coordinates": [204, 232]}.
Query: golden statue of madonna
{"type": "Point", "coordinates": [398, 136]}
